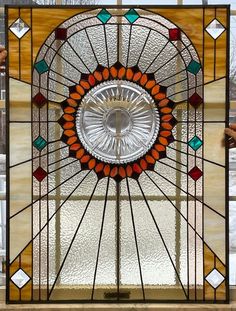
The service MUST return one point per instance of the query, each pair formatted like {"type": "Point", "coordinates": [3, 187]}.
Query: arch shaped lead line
{"type": "Point", "coordinates": [163, 241]}
{"type": "Point", "coordinates": [73, 239]}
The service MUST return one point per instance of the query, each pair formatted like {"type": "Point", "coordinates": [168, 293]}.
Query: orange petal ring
{"type": "Point", "coordinates": [92, 164]}
{"type": "Point", "coordinates": [150, 159]}
{"type": "Point", "coordinates": [91, 80]}
{"type": "Point", "coordinates": [167, 117]}
{"type": "Point", "coordinates": [160, 96]}
{"type": "Point", "coordinates": [80, 153]}
{"type": "Point", "coordinates": [137, 76]}
{"type": "Point", "coordinates": [68, 117]}
{"type": "Point", "coordinates": [71, 140]}
{"type": "Point", "coordinates": [163, 141]}
{"type": "Point", "coordinates": [155, 154]}
{"type": "Point", "coordinates": [106, 170]}
{"type": "Point", "coordinates": [85, 85]}
{"type": "Point", "coordinates": [163, 102]}
{"type": "Point", "coordinates": [166, 126]}
{"type": "Point", "coordinates": [106, 74]}
{"type": "Point", "coordinates": [98, 76]}
{"type": "Point", "coordinates": [166, 110]}
{"type": "Point", "coordinates": [122, 172]}
{"type": "Point", "coordinates": [129, 171]}
{"type": "Point", "coordinates": [165, 133]}
{"type": "Point", "coordinates": [121, 73]}
{"type": "Point", "coordinates": [69, 133]}
{"type": "Point", "coordinates": [69, 110]}
{"type": "Point", "coordinates": [137, 169]}
{"type": "Point", "coordinates": [155, 89]}
{"type": "Point", "coordinates": [75, 96]}
{"type": "Point", "coordinates": [72, 102]}
{"type": "Point", "coordinates": [85, 158]}
{"type": "Point", "coordinates": [129, 74]}
{"type": "Point", "coordinates": [150, 84]}
{"type": "Point", "coordinates": [114, 171]}
{"type": "Point", "coordinates": [143, 164]}
{"type": "Point", "coordinates": [68, 125]}
{"type": "Point", "coordinates": [159, 147]}
{"type": "Point", "coordinates": [113, 72]}
{"type": "Point", "coordinates": [144, 79]}
{"type": "Point", "coordinates": [99, 167]}
{"type": "Point", "coordinates": [75, 147]}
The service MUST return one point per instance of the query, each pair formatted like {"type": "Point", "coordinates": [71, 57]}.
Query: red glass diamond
{"type": "Point", "coordinates": [195, 173]}
{"type": "Point", "coordinates": [39, 100]}
{"type": "Point", "coordinates": [195, 100]}
{"type": "Point", "coordinates": [174, 34]}
{"type": "Point", "coordinates": [40, 174]}
{"type": "Point", "coordinates": [61, 34]}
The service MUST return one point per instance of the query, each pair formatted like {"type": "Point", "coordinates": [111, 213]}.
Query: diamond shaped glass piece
{"type": "Point", "coordinates": [104, 16]}
{"type": "Point", "coordinates": [215, 278]}
{"type": "Point", "coordinates": [41, 66]}
{"type": "Point", "coordinates": [193, 67]}
{"type": "Point", "coordinates": [215, 29]}
{"type": "Point", "coordinates": [195, 143]}
{"type": "Point", "coordinates": [39, 100]}
{"type": "Point", "coordinates": [39, 173]}
{"type": "Point", "coordinates": [131, 16]}
{"type": "Point", "coordinates": [19, 28]}
{"type": "Point", "coordinates": [195, 173]}
{"type": "Point", "coordinates": [20, 278]}
{"type": "Point", "coordinates": [39, 143]}
{"type": "Point", "coordinates": [174, 34]}
{"type": "Point", "coordinates": [195, 100]}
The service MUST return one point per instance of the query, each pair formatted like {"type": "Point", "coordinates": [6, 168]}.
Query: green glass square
{"type": "Point", "coordinates": [39, 143]}
{"type": "Point", "coordinates": [104, 16]}
{"type": "Point", "coordinates": [195, 143]}
{"type": "Point", "coordinates": [194, 67]}
{"type": "Point", "coordinates": [132, 16]}
{"type": "Point", "coordinates": [41, 66]}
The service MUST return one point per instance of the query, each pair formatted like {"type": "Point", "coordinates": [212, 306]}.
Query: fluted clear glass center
{"type": "Point", "coordinates": [117, 121]}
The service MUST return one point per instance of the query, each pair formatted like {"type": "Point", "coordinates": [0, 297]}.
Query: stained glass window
{"type": "Point", "coordinates": [117, 170]}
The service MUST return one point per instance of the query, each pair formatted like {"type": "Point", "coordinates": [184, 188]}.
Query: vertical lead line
{"type": "Point", "coordinates": [118, 226]}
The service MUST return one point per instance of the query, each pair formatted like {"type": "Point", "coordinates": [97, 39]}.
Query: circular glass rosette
{"type": "Point", "coordinates": [117, 121]}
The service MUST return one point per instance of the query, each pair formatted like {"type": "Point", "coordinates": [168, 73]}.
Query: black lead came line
{"type": "Point", "coordinates": [135, 238]}
{"type": "Point", "coordinates": [29, 205]}
{"type": "Point", "coordinates": [162, 239]}
{"type": "Point", "coordinates": [100, 238]}
{"type": "Point", "coordinates": [73, 239]}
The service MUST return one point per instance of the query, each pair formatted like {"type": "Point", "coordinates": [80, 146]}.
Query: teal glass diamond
{"type": "Point", "coordinates": [131, 16]}
{"type": "Point", "coordinates": [195, 143]}
{"type": "Point", "coordinates": [104, 16]}
{"type": "Point", "coordinates": [193, 67]}
{"type": "Point", "coordinates": [41, 66]}
{"type": "Point", "coordinates": [39, 143]}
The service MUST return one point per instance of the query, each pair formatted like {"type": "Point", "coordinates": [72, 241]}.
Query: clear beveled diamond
{"type": "Point", "coordinates": [215, 29]}
{"type": "Point", "coordinates": [20, 278]}
{"type": "Point", "coordinates": [215, 278]}
{"type": "Point", "coordinates": [19, 28]}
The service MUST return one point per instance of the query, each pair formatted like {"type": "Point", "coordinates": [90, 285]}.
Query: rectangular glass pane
{"type": "Point", "coordinates": [117, 173]}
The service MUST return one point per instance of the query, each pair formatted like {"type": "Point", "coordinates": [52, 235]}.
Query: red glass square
{"type": "Point", "coordinates": [39, 100]}
{"type": "Point", "coordinates": [195, 173]}
{"type": "Point", "coordinates": [39, 174]}
{"type": "Point", "coordinates": [195, 100]}
{"type": "Point", "coordinates": [174, 34]}
{"type": "Point", "coordinates": [61, 34]}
